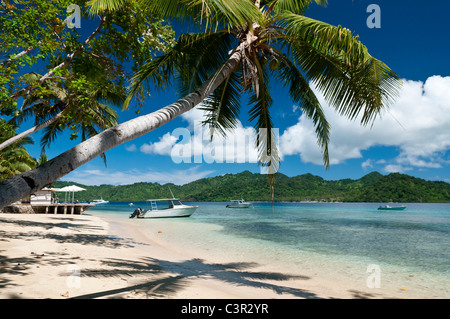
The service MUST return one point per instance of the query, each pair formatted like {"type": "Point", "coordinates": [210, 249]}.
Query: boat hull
{"type": "Point", "coordinates": [392, 208]}
{"type": "Point", "coordinates": [238, 206]}
{"type": "Point", "coordinates": [185, 211]}
{"type": "Point", "coordinates": [99, 203]}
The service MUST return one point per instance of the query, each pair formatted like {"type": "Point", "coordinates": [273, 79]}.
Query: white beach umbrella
{"type": "Point", "coordinates": [71, 189]}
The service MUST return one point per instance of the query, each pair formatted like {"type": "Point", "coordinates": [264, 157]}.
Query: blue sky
{"type": "Point", "coordinates": [413, 137]}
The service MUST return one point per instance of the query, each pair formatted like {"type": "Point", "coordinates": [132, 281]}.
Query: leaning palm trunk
{"type": "Point", "coordinates": [20, 186]}
{"type": "Point", "coordinates": [30, 131]}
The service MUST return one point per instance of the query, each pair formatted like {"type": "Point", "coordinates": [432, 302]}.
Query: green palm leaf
{"type": "Point", "coordinates": [341, 68]}
{"type": "Point", "coordinates": [156, 73]}
{"type": "Point", "coordinates": [223, 106]}
{"type": "Point", "coordinates": [203, 55]}
{"type": "Point", "coordinates": [194, 59]}
{"type": "Point", "coordinates": [100, 6]}
{"type": "Point", "coordinates": [209, 13]}
{"type": "Point", "coordinates": [14, 159]}
{"type": "Point", "coordinates": [296, 6]}
{"type": "Point", "coordinates": [261, 102]}
{"type": "Point", "coordinates": [50, 133]}
{"type": "Point", "coordinates": [272, 39]}
{"type": "Point", "coordinates": [301, 93]}
{"type": "Point", "coordinates": [266, 143]}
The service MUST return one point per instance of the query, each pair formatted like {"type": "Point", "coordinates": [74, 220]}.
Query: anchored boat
{"type": "Point", "coordinates": [387, 207]}
{"type": "Point", "coordinates": [164, 208]}
{"type": "Point", "coordinates": [98, 202]}
{"type": "Point", "coordinates": [239, 203]}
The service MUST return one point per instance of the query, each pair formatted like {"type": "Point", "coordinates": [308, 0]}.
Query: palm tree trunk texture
{"type": "Point", "coordinates": [25, 184]}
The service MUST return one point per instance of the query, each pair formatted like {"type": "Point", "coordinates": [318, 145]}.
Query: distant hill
{"type": "Point", "coordinates": [373, 187]}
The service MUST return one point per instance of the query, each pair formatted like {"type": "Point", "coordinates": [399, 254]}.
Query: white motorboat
{"type": "Point", "coordinates": [99, 202]}
{"type": "Point", "coordinates": [239, 203]}
{"type": "Point", "coordinates": [164, 208]}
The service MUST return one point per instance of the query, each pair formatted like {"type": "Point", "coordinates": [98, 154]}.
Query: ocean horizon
{"type": "Point", "coordinates": [405, 251]}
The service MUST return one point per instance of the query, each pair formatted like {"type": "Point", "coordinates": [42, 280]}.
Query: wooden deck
{"type": "Point", "coordinates": [55, 208]}
{"type": "Point", "coordinates": [62, 208]}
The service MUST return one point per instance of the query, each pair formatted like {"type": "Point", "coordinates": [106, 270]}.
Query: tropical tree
{"type": "Point", "coordinates": [243, 45]}
{"type": "Point", "coordinates": [14, 159]}
{"type": "Point", "coordinates": [79, 68]}
{"type": "Point", "coordinates": [59, 105]}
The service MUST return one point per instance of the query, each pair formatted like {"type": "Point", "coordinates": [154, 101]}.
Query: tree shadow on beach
{"type": "Point", "coordinates": [21, 265]}
{"type": "Point", "coordinates": [76, 236]}
{"type": "Point", "coordinates": [238, 274]}
{"type": "Point", "coordinates": [70, 223]}
{"type": "Point", "coordinates": [14, 267]}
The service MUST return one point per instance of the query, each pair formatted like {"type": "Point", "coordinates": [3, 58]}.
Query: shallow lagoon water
{"type": "Point", "coordinates": [336, 240]}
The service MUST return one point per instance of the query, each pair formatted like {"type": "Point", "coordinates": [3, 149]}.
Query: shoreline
{"type": "Point", "coordinates": [297, 202]}
{"type": "Point", "coordinates": [91, 256]}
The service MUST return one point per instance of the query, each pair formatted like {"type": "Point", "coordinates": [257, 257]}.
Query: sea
{"type": "Point", "coordinates": [404, 251]}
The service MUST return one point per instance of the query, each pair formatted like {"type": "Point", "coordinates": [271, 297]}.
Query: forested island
{"type": "Point", "coordinates": [373, 187]}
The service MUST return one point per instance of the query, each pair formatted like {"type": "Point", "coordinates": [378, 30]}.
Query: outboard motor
{"type": "Point", "coordinates": [136, 213]}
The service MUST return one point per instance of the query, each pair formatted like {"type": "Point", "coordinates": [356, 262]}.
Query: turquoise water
{"type": "Point", "coordinates": [341, 237]}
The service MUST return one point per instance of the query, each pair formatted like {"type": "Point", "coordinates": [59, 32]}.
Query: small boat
{"type": "Point", "coordinates": [387, 207]}
{"type": "Point", "coordinates": [130, 204]}
{"type": "Point", "coordinates": [239, 203]}
{"type": "Point", "coordinates": [99, 202]}
{"type": "Point", "coordinates": [164, 208]}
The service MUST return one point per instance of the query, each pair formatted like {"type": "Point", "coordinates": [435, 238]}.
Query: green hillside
{"type": "Point", "coordinates": [373, 187]}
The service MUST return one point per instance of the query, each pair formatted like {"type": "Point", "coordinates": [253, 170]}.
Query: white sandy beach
{"type": "Point", "coordinates": [85, 256]}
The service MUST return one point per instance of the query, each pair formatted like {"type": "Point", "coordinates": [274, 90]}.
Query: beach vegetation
{"type": "Point", "coordinates": [14, 159]}
{"type": "Point", "coordinates": [84, 75]}
{"type": "Point", "coordinates": [241, 46]}
{"type": "Point", "coordinates": [62, 78]}
{"type": "Point", "coordinates": [373, 187]}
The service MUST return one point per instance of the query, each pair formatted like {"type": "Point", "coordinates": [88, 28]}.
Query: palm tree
{"type": "Point", "coordinates": [244, 44]}
{"type": "Point", "coordinates": [278, 43]}
{"type": "Point", "coordinates": [14, 159]}
{"type": "Point", "coordinates": [56, 107]}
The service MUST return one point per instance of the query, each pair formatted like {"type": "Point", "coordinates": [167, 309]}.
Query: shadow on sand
{"type": "Point", "coordinates": [238, 274]}
{"type": "Point", "coordinates": [152, 278]}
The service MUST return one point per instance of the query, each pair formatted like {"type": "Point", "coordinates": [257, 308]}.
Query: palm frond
{"type": "Point", "coordinates": [209, 13]}
{"type": "Point", "coordinates": [340, 66]}
{"type": "Point", "coordinates": [50, 134]}
{"type": "Point", "coordinates": [266, 143]}
{"type": "Point", "coordinates": [155, 73]}
{"type": "Point", "coordinates": [24, 141]}
{"type": "Point", "coordinates": [302, 94]}
{"type": "Point", "coordinates": [194, 58]}
{"type": "Point", "coordinates": [223, 105]}
{"type": "Point", "coordinates": [100, 6]}
{"type": "Point", "coordinates": [203, 55]}
{"type": "Point", "coordinates": [102, 115]}
{"type": "Point", "coordinates": [265, 134]}
{"type": "Point", "coordinates": [335, 41]}
{"type": "Point", "coordinates": [296, 6]}
{"type": "Point", "coordinates": [110, 94]}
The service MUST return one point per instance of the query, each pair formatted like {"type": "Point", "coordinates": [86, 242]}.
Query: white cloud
{"type": "Point", "coordinates": [162, 147]}
{"type": "Point", "coordinates": [131, 148]}
{"type": "Point", "coordinates": [417, 124]}
{"type": "Point", "coordinates": [193, 144]}
{"type": "Point", "coordinates": [108, 176]}
{"type": "Point", "coordinates": [367, 164]}
{"type": "Point", "coordinates": [393, 168]}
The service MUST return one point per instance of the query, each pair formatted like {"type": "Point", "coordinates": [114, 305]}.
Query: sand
{"type": "Point", "coordinates": [85, 256]}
